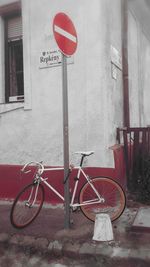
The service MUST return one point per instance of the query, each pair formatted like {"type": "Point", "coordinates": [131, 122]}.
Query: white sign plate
{"type": "Point", "coordinates": [52, 58]}
{"type": "Point", "coordinates": [116, 58]}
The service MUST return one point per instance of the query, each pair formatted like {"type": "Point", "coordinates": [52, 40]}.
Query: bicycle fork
{"type": "Point", "coordinates": [33, 195]}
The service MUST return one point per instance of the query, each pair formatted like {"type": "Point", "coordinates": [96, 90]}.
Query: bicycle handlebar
{"type": "Point", "coordinates": [38, 164]}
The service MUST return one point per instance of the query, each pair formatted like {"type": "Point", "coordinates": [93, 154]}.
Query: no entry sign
{"type": "Point", "coordinates": [65, 34]}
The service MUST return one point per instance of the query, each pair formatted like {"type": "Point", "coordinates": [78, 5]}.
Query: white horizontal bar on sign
{"type": "Point", "coordinates": [65, 34]}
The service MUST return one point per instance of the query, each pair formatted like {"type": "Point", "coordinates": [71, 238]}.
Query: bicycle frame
{"type": "Point", "coordinates": [91, 195]}
{"type": "Point", "coordinates": [72, 204]}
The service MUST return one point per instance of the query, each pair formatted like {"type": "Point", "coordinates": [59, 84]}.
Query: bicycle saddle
{"type": "Point", "coordinates": [83, 153]}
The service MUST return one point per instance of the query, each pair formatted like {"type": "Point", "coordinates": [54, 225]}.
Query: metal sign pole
{"type": "Point", "coordinates": [66, 141]}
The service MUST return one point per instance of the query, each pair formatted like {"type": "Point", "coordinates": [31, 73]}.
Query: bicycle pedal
{"type": "Point", "coordinates": [74, 209]}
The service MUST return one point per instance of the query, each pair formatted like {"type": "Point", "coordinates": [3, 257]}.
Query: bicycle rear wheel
{"type": "Point", "coordinates": [27, 205]}
{"type": "Point", "coordinates": [113, 203]}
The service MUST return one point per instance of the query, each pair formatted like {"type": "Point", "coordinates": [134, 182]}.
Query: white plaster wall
{"type": "Point", "coordinates": [145, 79]}
{"type": "Point", "coordinates": [139, 63]}
{"type": "Point", "coordinates": [6, 2]}
{"type": "Point", "coordinates": [95, 99]}
{"type": "Point", "coordinates": [134, 71]}
{"type": "Point", "coordinates": [114, 90]}
{"type": "Point", "coordinates": [2, 66]}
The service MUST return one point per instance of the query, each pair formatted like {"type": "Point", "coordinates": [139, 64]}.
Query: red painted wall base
{"type": "Point", "coordinates": [11, 182]}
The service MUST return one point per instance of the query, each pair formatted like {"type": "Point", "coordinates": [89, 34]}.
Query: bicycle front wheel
{"type": "Point", "coordinates": [27, 205]}
{"type": "Point", "coordinates": [112, 196]}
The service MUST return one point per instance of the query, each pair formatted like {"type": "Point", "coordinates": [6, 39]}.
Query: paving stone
{"type": "Point", "coordinates": [71, 249]}
{"type": "Point", "coordinates": [103, 248]}
{"type": "Point", "coordinates": [142, 219]}
{"type": "Point", "coordinates": [34, 261]}
{"type": "Point", "coordinates": [55, 247]}
{"type": "Point", "coordinates": [57, 265]}
{"type": "Point", "coordinates": [41, 243]}
{"type": "Point", "coordinates": [4, 237]}
{"type": "Point", "coordinates": [121, 252]}
{"type": "Point", "coordinates": [87, 249]}
{"type": "Point", "coordinates": [28, 241]}
{"type": "Point", "coordinates": [16, 239]}
{"type": "Point", "coordinates": [50, 246]}
{"type": "Point", "coordinates": [142, 253]}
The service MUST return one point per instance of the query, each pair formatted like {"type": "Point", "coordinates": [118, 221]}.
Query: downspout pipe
{"type": "Point", "coordinates": [125, 77]}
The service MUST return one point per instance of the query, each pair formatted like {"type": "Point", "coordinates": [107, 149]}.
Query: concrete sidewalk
{"type": "Point", "coordinates": [46, 235]}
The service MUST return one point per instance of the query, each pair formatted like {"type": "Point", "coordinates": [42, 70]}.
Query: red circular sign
{"type": "Point", "coordinates": [65, 34]}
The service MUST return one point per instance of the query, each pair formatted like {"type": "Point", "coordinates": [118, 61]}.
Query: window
{"type": "Point", "coordinates": [14, 84]}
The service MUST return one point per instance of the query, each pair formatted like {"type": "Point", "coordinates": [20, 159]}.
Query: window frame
{"type": "Point", "coordinates": [7, 12]}
{"type": "Point", "coordinates": [7, 66]}
{"type": "Point", "coordinates": [22, 8]}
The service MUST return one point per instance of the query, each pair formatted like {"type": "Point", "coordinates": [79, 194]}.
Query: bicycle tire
{"type": "Point", "coordinates": [113, 194]}
{"type": "Point", "coordinates": [23, 212]}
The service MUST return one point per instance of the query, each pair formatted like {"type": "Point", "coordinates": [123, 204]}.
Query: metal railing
{"type": "Point", "coordinates": [136, 142]}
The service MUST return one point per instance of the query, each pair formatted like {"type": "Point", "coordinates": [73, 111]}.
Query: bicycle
{"type": "Point", "coordinates": [97, 195]}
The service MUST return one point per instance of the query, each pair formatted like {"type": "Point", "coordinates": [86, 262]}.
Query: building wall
{"type": "Point", "coordinates": [139, 63]}
{"type": "Point", "coordinates": [33, 130]}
